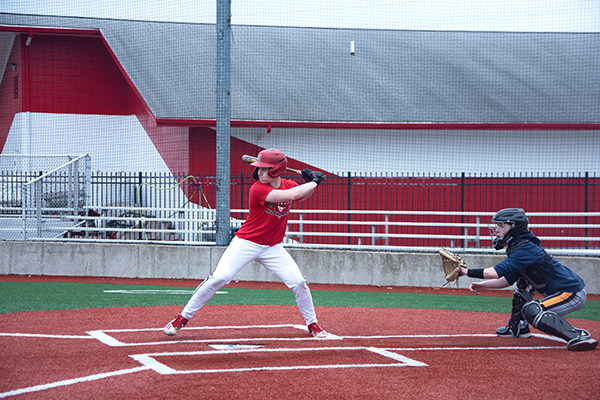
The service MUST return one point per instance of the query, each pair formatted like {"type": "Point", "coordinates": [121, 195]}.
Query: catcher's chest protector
{"type": "Point", "coordinates": [536, 275]}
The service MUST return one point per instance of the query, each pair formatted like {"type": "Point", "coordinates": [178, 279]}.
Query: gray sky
{"type": "Point", "coordinates": [473, 15]}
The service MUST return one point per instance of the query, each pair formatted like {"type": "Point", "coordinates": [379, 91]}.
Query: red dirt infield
{"type": "Point", "coordinates": [255, 352]}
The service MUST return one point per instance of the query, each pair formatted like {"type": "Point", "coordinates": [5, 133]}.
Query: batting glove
{"type": "Point", "coordinates": [318, 177]}
{"type": "Point", "coordinates": [308, 175]}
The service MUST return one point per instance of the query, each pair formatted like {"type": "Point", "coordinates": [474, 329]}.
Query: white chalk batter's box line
{"type": "Point", "coordinates": [149, 360]}
{"type": "Point", "coordinates": [105, 337]}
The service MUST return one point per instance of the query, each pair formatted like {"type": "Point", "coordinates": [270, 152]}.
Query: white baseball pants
{"type": "Point", "coordinates": [239, 253]}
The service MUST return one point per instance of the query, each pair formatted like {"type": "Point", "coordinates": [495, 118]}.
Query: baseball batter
{"type": "Point", "coordinates": [260, 239]}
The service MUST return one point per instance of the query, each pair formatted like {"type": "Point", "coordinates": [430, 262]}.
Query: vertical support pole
{"type": "Point", "coordinates": [242, 194]}
{"type": "Point", "coordinates": [301, 228]}
{"type": "Point", "coordinates": [140, 205]}
{"type": "Point", "coordinates": [478, 233]}
{"type": "Point", "coordinates": [24, 205]}
{"type": "Point", "coordinates": [462, 209]}
{"type": "Point", "coordinates": [387, 229]}
{"type": "Point", "coordinates": [87, 192]}
{"type": "Point", "coordinates": [25, 75]}
{"type": "Point", "coordinates": [87, 182]}
{"type": "Point", "coordinates": [74, 189]}
{"type": "Point", "coordinates": [223, 234]}
{"type": "Point", "coordinates": [350, 208]}
{"type": "Point", "coordinates": [586, 206]}
{"type": "Point", "coordinates": [38, 186]}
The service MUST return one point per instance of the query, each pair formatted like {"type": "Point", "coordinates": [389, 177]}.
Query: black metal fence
{"type": "Point", "coordinates": [370, 209]}
{"type": "Point", "coordinates": [565, 193]}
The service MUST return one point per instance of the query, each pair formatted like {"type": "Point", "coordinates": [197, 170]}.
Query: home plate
{"type": "Point", "coordinates": [235, 346]}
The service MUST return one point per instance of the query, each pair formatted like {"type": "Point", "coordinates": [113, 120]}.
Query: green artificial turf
{"type": "Point", "coordinates": [41, 296]}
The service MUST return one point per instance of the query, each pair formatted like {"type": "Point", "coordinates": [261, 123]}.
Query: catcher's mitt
{"type": "Point", "coordinates": [451, 264]}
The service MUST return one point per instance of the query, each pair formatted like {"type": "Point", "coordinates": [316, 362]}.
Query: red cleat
{"type": "Point", "coordinates": [174, 326]}
{"type": "Point", "coordinates": [316, 331]}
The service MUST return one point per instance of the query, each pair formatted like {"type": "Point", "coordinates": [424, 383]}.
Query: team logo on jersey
{"type": "Point", "coordinates": [279, 209]}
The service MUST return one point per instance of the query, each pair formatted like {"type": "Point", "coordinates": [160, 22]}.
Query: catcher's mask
{"type": "Point", "coordinates": [506, 225]}
{"type": "Point", "coordinates": [275, 160]}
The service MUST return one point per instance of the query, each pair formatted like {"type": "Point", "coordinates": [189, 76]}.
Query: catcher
{"type": "Point", "coordinates": [533, 270]}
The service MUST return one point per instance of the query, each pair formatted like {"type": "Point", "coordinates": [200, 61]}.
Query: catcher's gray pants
{"type": "Point", "coordinates": [562, 303]}
{"type": "Point", "coordinates": [239, 253]}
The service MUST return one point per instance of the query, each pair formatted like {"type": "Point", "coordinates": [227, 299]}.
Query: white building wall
{"type": "Point", "coordinates": [435, 151]}
{"type": "Point", "coordinates": [119, 143]}
{"type": "Point", "coordinates": [115, 143]}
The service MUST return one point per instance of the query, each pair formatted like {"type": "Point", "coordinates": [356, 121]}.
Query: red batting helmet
{"type": "Point", "coordinates": [272, 159]}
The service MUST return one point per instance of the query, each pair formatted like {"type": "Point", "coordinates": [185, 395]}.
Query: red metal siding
{"type": "Point", "coordinates": [10, 91]}
{"type": "Point", "coordinates": [75, 75]}
{"type": "Point", "coordinates": [70, 74]}
{"type": "Point", "coordinates": [203, 149]}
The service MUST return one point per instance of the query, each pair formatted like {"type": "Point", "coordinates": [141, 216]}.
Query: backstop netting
{"type": "Point", "coordinates": [441, 106]}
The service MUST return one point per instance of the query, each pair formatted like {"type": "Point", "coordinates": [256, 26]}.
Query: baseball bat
{"type": "Point", "coordinates": [250, 159]}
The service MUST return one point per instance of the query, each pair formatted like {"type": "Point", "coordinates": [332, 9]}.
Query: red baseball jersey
{"type": "Point", "coordinates": [266, 222]}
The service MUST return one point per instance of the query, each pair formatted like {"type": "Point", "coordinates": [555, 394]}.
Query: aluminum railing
{"type": "Point", "coordinates": [355, 230]}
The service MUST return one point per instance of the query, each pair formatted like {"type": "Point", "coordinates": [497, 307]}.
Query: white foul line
{"type": "Point", "coordinates": [45, 336]}
{"type": "Point", "coordinates": [72, 381]}
{"type": "Point", "coordinates": [155, 291]}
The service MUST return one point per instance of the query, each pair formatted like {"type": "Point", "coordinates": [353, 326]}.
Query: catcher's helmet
{"type": "Point", "coordinates": [515, 218]}
{"type": "Point", "coordinates": [272, 159]}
